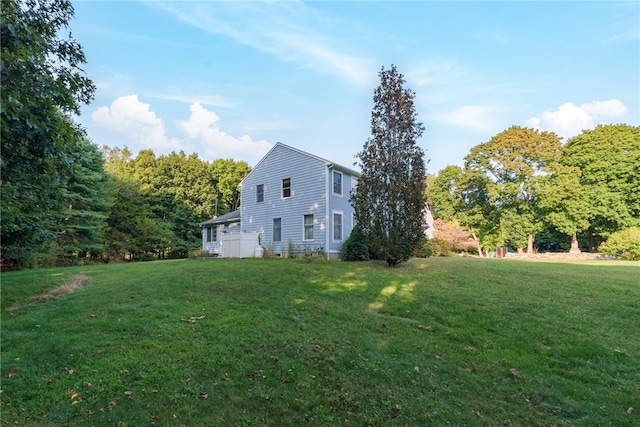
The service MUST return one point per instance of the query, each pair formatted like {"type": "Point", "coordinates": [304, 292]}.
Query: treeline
{"type": "Point", "coordinates": [525, 189]}
{"type": "Point", "coordinates": [63, 198]}
{"type": "Point", "coordinates": [157, 203]}
{"type": "Point", "coordinates": [111, 206]}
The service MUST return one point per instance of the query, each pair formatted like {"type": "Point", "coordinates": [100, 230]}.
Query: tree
{"type": "Point", "coordinates": [227, 174]}
{"type": "Point", "coordinates": [81, 224]}
{"type": "Point", "coordinates": [462, 195]}
{"type": "Point", "coordinates": [623, 243]}
{"type": "Point", "coordinates": [562, 203]}
{"type": "Point", "coordinates": [608, 158]}
{"type": "Point", "coordinates": [42, 83]}
{"type": "Point", "coordinates": [515, 160]}
{"type": "Point", "coordinates": [390, 200]}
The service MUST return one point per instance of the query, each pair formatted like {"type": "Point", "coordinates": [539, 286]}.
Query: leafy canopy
{"type": "Point", "coordinates": [42, 84]}
{"type": "Point", "coordinates": [390, 200]}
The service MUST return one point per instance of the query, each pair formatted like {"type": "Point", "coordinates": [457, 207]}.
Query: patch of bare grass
{"type": "Point", "coordinates": [76, 282]}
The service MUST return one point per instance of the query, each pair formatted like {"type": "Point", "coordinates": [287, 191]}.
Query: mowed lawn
{"type": "Point", "coordinates": [441, 341]}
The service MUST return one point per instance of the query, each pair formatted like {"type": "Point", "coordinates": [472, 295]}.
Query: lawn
{"type": "Point", "coordinates": [441, 341]}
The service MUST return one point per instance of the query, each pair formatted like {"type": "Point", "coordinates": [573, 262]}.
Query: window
{"type": "Point", "coordinates": [286, 188]}
{"type": "Point", "coordinates": [337, 226]}
{"type": "Point", "coordinates": [308, 227]}
{"type": "Point", "coordinates": [260, 193]}
{"type": "Point", "coordinates": [212, 234]}
{"type": "Point", "coordinates": [337, 183]}
{"type": "Point", "coordinates": [277, 229]}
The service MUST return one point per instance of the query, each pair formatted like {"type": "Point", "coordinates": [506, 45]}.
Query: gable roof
{"type": "Point", "coordinates": [223, 219]}
{"type": "Point", "coordinates": [313, 156]}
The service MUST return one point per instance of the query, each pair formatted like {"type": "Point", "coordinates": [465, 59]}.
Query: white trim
{"type": "Point", "coordinates": [313, 226]}
{"type": "Point", "coordinates": [327, 196]}
{"type": "Point", "coordinates": [273, 229]}
{"type": "Point", "coordinates": [333, 183]}
{"type": "Point", "coordinates": [282, 197]}
{"type": "Point", "coordinates": [333, 216]}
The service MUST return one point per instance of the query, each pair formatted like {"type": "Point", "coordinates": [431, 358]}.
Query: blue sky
{"type": "Point", "coordinates": [230, 79]}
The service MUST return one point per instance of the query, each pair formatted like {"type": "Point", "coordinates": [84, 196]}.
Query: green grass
{"type": "Point", "coordinates": [447, 341]}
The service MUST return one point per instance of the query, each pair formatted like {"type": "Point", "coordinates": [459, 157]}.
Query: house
{"type": "Point", "coordinates": [215, 229]}
{"type": "Point", "coordinates": [290, 201]}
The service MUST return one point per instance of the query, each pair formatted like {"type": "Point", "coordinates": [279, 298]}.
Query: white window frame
{"type": "Point", "coordinates": [305, 227]}
{"type": "Point", "coordinates": [288, 188]}
{"type": "Point", "coordinates": [333, 226]}
{"type": "Point", "coordinates": [212, 233]}
{"type": "Point", "coordinates": [333, 178]}
{"type": "Point", "coordinates": [273, 233]}
{"type": "Point", "coordinates": [260, 194]}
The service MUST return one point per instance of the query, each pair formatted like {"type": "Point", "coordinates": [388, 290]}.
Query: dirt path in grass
{"type": "Point", "coordinates": [75, 283]}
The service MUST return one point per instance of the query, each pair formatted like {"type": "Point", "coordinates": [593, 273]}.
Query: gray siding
{"type": "Point", "coordinates": [216, 247]}
{"type": "Point", "coordinates": [340, 204]}
{"type": "Point", "coordinates": [309, 184]}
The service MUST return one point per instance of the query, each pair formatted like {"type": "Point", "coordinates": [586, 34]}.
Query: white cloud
{"type": "Point", "coordinates": [202, 126]}
{"type": "Point", "coordinates": [134, 119]}
{"type": "Point", "coordinates": [570, 120]}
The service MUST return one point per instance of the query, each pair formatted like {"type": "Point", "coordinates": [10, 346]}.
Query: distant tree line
{"type": "Point", "coordinates": [526, 190]}
{"type": "Point", "coordinates": [64, 199]}
{"type": "Point", "coordinates": [157, 202]}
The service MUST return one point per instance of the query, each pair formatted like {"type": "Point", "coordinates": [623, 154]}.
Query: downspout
{"type": "Point", "coordinates": [327, 196]}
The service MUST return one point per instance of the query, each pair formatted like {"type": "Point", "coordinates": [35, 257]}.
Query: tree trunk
{"type": "Point", "coordinates": [530, 244]}
{"type": "Point", "coordinates": [475, 239]}
{"type": "Point", "coordinates": [592, 240]}
{"type": "Point", "coordinates": [575, 248]}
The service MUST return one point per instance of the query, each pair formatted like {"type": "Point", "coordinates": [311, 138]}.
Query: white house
{"type": "Point", "coordinates": [291, 200]}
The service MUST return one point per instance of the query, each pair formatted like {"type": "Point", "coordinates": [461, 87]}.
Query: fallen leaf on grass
{"type": "Point", "coordinates": [111, 405]}
{"type": "Point", "coordinates": [128, 393]}
{"type": "Point", "coordinates": [193, 319]}
{"type": "Point", "coordinates": [425, 328]}
{"type": "Point", "coordinates": [630, 411]}
{"type": "Point", "coordinates": [515, 373]}
{"type": "Point", "coordinates": [203, 395]}
{"type": "Point", "coordinates": [473, 369]}
{"type": "Point", "coordinates": [11, 373]}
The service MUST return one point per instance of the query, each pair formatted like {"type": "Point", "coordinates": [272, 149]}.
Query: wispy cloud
{"type": "Point", "coordinates": [434, 73]}
{"type": "Point", "coordinates": [291, 31]}
{"type": "Point", "coordinates": [210, 100]}
{"type": "Point", "coordinates": [482, 118]}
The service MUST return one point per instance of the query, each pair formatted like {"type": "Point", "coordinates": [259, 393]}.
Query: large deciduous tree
{"type": "Point", "coordinates": [41, 83]}
{"type": "Point", "coordinates": [516, 160]}
{"type": "Point", "coordinates": [390, 199]}
{"type": "Point", "coordinates": [609, 161]}
{"type": "Point", "coordinates": [462, 196]}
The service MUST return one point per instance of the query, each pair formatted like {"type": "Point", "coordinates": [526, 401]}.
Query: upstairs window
{"type": "Point", "coordinates": [337, 183]}
{"type": "Point", "coordinates": [260, 193]}
{"type": "Point", "coordinates": [286, 188]}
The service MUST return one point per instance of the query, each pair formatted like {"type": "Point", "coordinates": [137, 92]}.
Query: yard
{"type": "Point", "coordinates": [457, 341]}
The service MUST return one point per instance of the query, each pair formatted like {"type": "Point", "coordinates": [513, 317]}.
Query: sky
{"type": "Point", "coordinates": [229, 79]}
